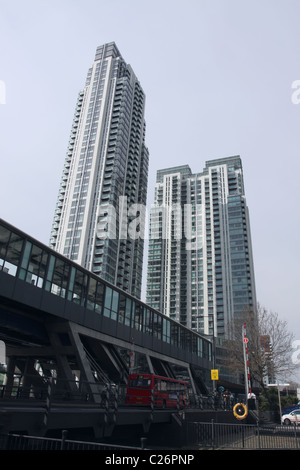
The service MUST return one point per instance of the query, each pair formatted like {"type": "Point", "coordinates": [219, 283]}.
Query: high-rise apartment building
{"type": "Point", "coordinates": [106, 167]}
{"type": "Point", "coordinates": [200, 266]}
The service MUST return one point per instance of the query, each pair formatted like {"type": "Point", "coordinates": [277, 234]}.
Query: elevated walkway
{"type": "Point", "coordinates": [61, 322]}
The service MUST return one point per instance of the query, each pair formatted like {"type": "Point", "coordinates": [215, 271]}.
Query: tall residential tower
{"type": "Point", "coordinates": [200, 267]}
{"type": "Point", "coordinates": [106, 166]}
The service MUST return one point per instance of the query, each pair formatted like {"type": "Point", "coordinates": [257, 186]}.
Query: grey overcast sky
{"type": "Point", "coordinates": [218, 78]}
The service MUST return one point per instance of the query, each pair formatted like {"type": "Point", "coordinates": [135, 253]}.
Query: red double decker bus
{"type": "Point", "coordinates": [165, 392]}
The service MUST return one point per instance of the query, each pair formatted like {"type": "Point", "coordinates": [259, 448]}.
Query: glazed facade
{"type": "Point", "coordinates": [106, 160]}
{"type": "Point", "coordinates": [200, 265]}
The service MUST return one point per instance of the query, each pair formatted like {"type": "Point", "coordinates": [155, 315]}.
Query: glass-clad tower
{"type": "Point", "coordinates": [106, 167]}
{"type": "Point", "coordinates": [200, 266]}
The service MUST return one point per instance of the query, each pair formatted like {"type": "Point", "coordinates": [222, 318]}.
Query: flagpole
{"type": "Point", "coordinates": [246, 363]}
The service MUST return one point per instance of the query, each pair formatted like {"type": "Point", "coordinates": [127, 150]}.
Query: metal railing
{"type": "Point", "coordinates": [42, 389]}
{"type": "Point", "coordinates": [199, 435]}
{"type": "Point", "coordinates": [37, 388]}
{"type": "Point", "coordinates": [24, 442]}
{"type": "Point", "coordinates": [242, 436]}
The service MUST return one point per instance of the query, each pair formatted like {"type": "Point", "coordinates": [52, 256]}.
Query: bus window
{"type": "Point", "coordinates": [140, 381]}
{"type": "Point", "coordinates": [167, 392]}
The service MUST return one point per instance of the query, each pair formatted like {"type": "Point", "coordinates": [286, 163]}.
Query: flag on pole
{"type": "Point", "coordinates": [246, 361]}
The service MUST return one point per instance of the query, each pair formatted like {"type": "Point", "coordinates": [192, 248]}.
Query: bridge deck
{"type": "Point", "coordinates": [59, 320]}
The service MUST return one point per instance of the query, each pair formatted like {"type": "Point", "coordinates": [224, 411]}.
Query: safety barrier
{"type": "Point", "coordinates": [242, 436]}
{"type": "Point", "coordinates": [110, 396]}
{"type": "Point", "coordinates": [23, 442]}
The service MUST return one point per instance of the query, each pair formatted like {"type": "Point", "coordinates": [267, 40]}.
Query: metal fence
{"type": "Point", "coordinates": [107, 395]}
{"type": "Point", "coordinates": [24, 442]}
{"type": "Point", "coordinates": [242, 436]}
{"type": "Point", "coordinates": [200, 436]}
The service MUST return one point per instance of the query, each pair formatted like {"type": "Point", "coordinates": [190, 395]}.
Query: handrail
{"type": "Point", "coordinates": [77, 392]}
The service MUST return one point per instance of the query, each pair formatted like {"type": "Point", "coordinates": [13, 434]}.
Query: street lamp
{"type": "Point", "coordinates": [279, 400]}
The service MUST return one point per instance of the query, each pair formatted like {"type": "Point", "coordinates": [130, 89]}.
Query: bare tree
{"type": "Point", "coordinates": [269, 346]}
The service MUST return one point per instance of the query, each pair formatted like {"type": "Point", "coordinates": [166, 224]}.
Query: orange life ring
{"type": "Point", "coordinates": [240, 411]}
